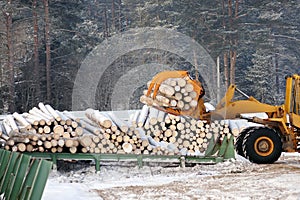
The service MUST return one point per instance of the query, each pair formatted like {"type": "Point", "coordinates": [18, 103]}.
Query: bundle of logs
{"type": "Point", "coordinates": [179, 134]}
{"type": "Point", "coordinates": [41, 129]}
{"type": "Point", "coordinates": [44, 129]}
{"type": "Point", "coordinates": [149, 131]}
{"type": "Point", "coordinates": [175, 93]}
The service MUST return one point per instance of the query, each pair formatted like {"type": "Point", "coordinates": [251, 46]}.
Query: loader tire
{"type": "Point", "coordinates": [262, 145]}
{"type": "Point", "coordinates": [239, 142]}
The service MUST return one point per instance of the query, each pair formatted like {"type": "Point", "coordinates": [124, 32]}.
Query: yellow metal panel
{"type": "Point", "coordinates": [295, 119]}
{"type": "Point", "coordinates": [234, 109]}
{"type": "Point", "coordinates": [288, 94]}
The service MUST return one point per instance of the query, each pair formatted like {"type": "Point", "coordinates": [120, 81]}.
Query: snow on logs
{"type": "Point", "coordinates": [175, 93]}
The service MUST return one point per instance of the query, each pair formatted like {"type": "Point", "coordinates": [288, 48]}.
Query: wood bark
{"type": "Point", "coordinates": [36, 50]}
{"type": "Point", "coordinates": [48, 49]}
{"type": "Point", "coordinates": [10, 57]}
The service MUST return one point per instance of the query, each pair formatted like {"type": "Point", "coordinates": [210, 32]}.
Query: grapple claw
{"type": "Point", "coordinates": [159, 87]}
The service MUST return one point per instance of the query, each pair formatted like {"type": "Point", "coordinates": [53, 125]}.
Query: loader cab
{"type": "Point", "coordinates": [292, 99]}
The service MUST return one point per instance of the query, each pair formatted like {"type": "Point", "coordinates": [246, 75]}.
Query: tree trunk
{"type": "Point", "coordinates": [113, 14]}
{"type": "Point", "coordinates": [232, 66]}
{"type": "Point", "coordinates": [277, 83]}
{"type": "Point", "coordinates": [120, 15]}
{"type": "Point", "coordinates": [11, 85]}
{"type": "Point", "coordinates": [36, 70]}
{"type": "Point", "coordinates": [48, 54]}
{"type": "Point", "coordinates": [105, 23]}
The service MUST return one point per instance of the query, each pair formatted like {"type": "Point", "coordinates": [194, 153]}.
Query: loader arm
{"type": "Point", "coordinates": [227, 108]}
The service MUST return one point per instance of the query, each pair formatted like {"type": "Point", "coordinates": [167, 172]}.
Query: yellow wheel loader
{"type": "Point", "coordinates": [280, 132]}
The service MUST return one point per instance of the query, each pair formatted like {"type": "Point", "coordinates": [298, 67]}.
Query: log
{"type": "Point", "coordinates": [22, 120]}
{"type": "Point", "coordinates": [181, 82]}
{"type": "Point", "coordinates": [127, 147]}
{"type": "Point", "coordinates": [90, 127]}
{"type": "Point", "coordinates": [32, 119]}
{"type": "Point", "coordinates": [43, 108]}
{"type": "Point", "coordinates": [146, 100]}
{"type": "Point", "coordinates": [70, 116]}
{"type": "Point", "coordinates": [46, 129]}
{"type": "Point", "coordinates": [166, 89]}
{"type": "Point", "coordinates": [193, 94]}
{"type": "Point", "coordinates": [85, 140]}
{"type": "Point", "coordinates": [178, 96]}
{"type": "Point", "coordinates": [38, 112]}
{"type": "Point", "coordinates": [12, 123]}
{"type": "Point", "coordinates": [73, 150]}
{"type": "Point", "coordinates": [42, 116]}
{"type": "Point", "coordinates": [143, 116]}
{"type": "Point", "coordinates": [53, 112]}
{"type": "Point", "coordinates": [65, 135]}
{"type": "Point", "coordinates": [135, 118]}
{"type": "Point", "coordinates": [69, 142]}
{"type": "Point", "coordinates": [61, 142]}
{"type": "Point", "coordinates": [242, 124]}
{"type": "Point", "coordinates": [99, 118]}
{"type": "Point", "coordinates": [47, 144]}
{"type": "Point", "coordinates": [162, 99]}
{"type": "Point", "coordinates": [6, 127]}
{"type": "Point", "coordinates": [189, 88]}
{"type": "Point", "coordinates": [153, 113]}
{"type": "Point", "coordinates": [123, 126]}
{"type": "Point", "coordinates": [79, 131]}
{"type": "Point", "coordinates": [3, 134]}
{"type": "Point", "coordinates": [63, 118]}
{"type": "Point", "coordinates": [234, 127]}
{"type": "Point", "coordinates": [58, 129]}
{"type": "Point", "coordinates": [29, 147]}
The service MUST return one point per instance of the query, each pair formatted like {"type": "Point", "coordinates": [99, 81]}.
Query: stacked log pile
{"type": "Point", "coordinates": [186, 136]}
{"type": "Point", "coordinates": [114, 135]}
{"type": "Point", "coordinates": [175, 93]}
{"type": "Point", "coordinates": [42, 129]}
{"type": "Point", "coordinates": [149, 131]}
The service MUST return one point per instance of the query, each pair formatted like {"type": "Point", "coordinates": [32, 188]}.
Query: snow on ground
{"type": "Point", "coordinates": [235, 179]}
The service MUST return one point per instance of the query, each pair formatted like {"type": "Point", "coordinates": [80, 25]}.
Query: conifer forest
{"type": "Point", "coordinates": [44, 42]}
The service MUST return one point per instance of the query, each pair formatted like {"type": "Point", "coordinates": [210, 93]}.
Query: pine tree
{"type": "Point", "coordinates": [261, 77]}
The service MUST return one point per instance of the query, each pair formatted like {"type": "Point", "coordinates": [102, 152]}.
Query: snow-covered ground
{"type": "Point", "coordinates": [236, 179]}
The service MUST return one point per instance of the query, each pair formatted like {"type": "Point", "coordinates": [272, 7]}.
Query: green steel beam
{"type": "Point", "coordinates": [12, 175]}
{"type": "Point", "coordinates": [118, 157]}
{"type": "Point", "coordinates": [26, 189]}
{"type": "Point", "coordinates": [19, 178]}
{"type": "Point", "coordinates": [40, 180]}
{"type": "Point", "coordinates": [4, 162]}
{"type": "Point", "coordinates": [9, 169]}
{"type": "Point", "coordinates": [223, 146]}
{"type": "Point", "coordinates": [230, 152]}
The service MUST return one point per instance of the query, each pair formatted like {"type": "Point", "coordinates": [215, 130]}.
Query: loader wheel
{"type": "Point", "coordinates": [239, 142]}
{"type": "Point", "coordinates": [262, 145]}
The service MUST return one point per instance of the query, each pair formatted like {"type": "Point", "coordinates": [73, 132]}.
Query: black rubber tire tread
{"type": "Point", "coordinates": [249, 140]}
{"type": "Point", "coordinates": [239, 141]}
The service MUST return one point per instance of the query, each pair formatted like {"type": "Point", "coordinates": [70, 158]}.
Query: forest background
{"type": "Point", "coordinates": [44, 42]}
